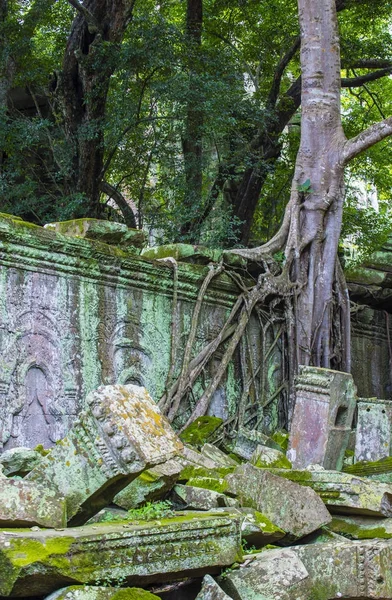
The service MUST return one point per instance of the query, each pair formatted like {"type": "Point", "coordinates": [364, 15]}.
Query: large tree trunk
{"type": "Point", "coordinates": [89, 62]}
{"type": "Point", "coordinates": [317, 205]}
{"type": "Point", "coordinates": [192, 142]}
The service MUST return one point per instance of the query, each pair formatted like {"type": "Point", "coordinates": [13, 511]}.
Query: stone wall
{"type": "Point", "coordinates": [76, 313]}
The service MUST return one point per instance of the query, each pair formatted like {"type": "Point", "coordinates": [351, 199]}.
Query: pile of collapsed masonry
{"type": "Point", "coordinates": [73, 518]}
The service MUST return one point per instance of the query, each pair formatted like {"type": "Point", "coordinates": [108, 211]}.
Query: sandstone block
{"type": "Point", "coordinates": [35, 563]}
{"type": "Point", "coordinates": [322, 420]}
{"type": "Point", "coordinates": [335, 570]}
{"type": "Point", "coordinates": [118, 436]}
{"type": "Point", "coordinates": [19, 461]}
{"type": "Point", "coordinates": [198, 498]}
{"type": "Point", "coordinates": [210, 590]}
{"type": "Point", "coordinates": [264, 457]}
{"type": "Point", "coordinates": [345, 493]}
{"type": "Point", "coordinates": [24, 503]}
{"type": "Point", "coordinates": [281, 501]}
{"type": "Point", "coordinates": [217, 456]}
{"type": "Point", "coordinates": [373, 437]}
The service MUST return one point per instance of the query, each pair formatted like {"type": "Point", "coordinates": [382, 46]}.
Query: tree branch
{"type": "Point", "coordinates": [93, 25]}
{"type": "Point", "coordinates": [351, 82]}
{"type": "Point", "coordinates": [366, 139]}
{"type": "Point", "coordinates": [115, 194]}
{"type": "Point", "coordinates": [275, 88]}
{"type": "Point", "coordinates": [369, 63]}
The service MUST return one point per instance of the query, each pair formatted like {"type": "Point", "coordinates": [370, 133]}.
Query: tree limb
{"type": "Point", "coordinates": [351, 82]}
{"type": "Point", "coordinates": [366, 139]}
{"type": "Point", "coordinates": [93, 25]}
{"type": "Point", "coordinates": [115, 194]}
{"type": "Point", "coordinates": [369, 63]}
{"type": "Point", "coordinates": [275, 88]}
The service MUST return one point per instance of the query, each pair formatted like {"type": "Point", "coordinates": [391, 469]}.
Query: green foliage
{"type": "Point", "coordinates": [151, 511]}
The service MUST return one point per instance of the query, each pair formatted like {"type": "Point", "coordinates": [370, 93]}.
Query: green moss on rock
{"type": "Point", "coordinates": [201, 430]}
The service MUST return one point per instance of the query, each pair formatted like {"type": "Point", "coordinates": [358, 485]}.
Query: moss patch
{"type": "Point", "coordinates": [201, 430]}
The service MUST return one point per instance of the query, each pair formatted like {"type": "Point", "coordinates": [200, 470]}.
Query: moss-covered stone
{"type": "Point", "coordinates": [361, 528]}
{"type": "Point", "coordinates": [43, 561]}
{"type": "Point", "coordinates": [369, 468]}
{"type": "Point", "coordinates": [89, 592]}
{"type": "Point", "coordinates": [281, 437]}
{"type": "Point", "coordinates": [264, 458]}
{"type": "Point", "coordinates": [192, 471]}
{"type": "Point", "coordinates": [201, 430]}
{"type": "Point", "coordinates": [209, 483]}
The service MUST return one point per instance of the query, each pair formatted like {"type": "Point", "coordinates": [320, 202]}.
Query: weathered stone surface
{"type": "Point", "coordinates": [358, 527]}
{"type": "Point", "coordinates": [344, 493]}
{"type": "Point", "coordinates": [247, 441]}
{"type": "Point", "coordinates": [281, 501]}
{"type": "Point", "coordinates": [322, 420]}
{"type": "Point", "coordinates": [210, 590]}
{"type": "Point", "coordinates": [77, 313]}
{"type": "Point", "coordinates": [198, 498]}
{"type": "Point", "coordinates": [197, 458]}
{"type": "Point", "coordinates": [270, 576]}
{"type": "Point", "coordinates": [380, 470]}
{"type": "Point", "coordinates": [150, 485]}
{"type": "Point", "coordinates": [217, 456]}
{"type": "Point", "coordinates": [374, 422]}
{"type": "Point", "coordinates": [37, 563]}
{"type": "Point", "coordinates": [200, 430]}
{"type": "Point", "coordinates": [20, 461]}
{"type": "Point", "coordinates": [90, 592]}
{"type": "Point", "coordinates": [257, 529]}
{"type": "Point", "coordinates": [108, 232]}
{"type": "Point", "coordinates": [264, 457]}
{"type": "Point", "coordinates": [337, 570]}
{"type": "Point", "coordinates": [24, 503]}
{"type": "Point", "coordinates": [121, 434]}
{"type": "Point", "coordinates": [216, 484]}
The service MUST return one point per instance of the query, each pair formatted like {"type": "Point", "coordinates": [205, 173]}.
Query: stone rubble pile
{"type": "Point", "coordinates": [122, 508]}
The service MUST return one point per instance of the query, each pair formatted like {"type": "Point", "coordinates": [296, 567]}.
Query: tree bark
{"type": "Point", "coordinates": [192, 142]}
{"type": "Point", "coordinates": [88, 64]}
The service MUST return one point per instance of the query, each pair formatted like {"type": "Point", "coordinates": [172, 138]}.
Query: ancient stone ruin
{"type": "Point", "coordinates": [152, 443]}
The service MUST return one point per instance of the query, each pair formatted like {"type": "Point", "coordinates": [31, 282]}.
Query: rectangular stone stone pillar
{"type": "Point", "coordinates": [322, 420]}
{"type": "Point", "coordinates": [373, 439]}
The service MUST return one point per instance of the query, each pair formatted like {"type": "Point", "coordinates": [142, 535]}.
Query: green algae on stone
{"type": "Point", "coordinates": [281, 437]}
{"type": "Point", "coordinates": [366, 468]}
{"type": "Point", "coordinates": [264, 458]}
{"type": "Point", "coordinates": [201, 430]}
{"type": "Point", "coordinates": [209, 483]}
{"type": "Point", "coordinates": [361, 527]}
{"type": "Point", "coordinates": [192, 471]}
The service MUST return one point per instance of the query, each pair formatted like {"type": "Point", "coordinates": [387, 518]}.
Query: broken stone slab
{"type": "Point", "coordinates": [219, 457]}
{"type": "Point", "coordinates": [197, 458]}
{"type": "Point", "coordinates": [344, 493]}
{"type": "Point", "coordinates": [201, 430]}
{"type": "Point", "coordinates": [322, 420]}
{"type": "Point", "coordinates": [337, 570]}
{"type": "Point", "coordinates": [247, 441]}
{"type": "Point", "coordinates": [108, 232]}
{"type": "Point", "coordinates": [280, 500]}
{"type": "Point", "coordinates": [210, 590]}
{"type": "Point", "coordinates": [361, 527]}
{"type": "Point", "coordinates": [35, 563]}
{"type": "Point", "coordinates": [24, 503]}
{"type": "Point", "coordinates": [197, 498]}
{"type": "Point", "coordinates": [257, 530]}
{"type": "Point", "coordinates": [119, 435]}
{"type": "Point", "coordinates": [373, 437]}
{"type": "Point", "coordinates": [90, 592]}
{"type": "Point", "coordinates": [272, 575]}
{"type": "Point", "coordinates": [150, 485]}
{"type": "Point", "coordinates": [380, 470]}
{"type": "Point", "coordinates": [19, 461]}
{"type": "Point", "coordinates": [264, 458]}
{"type": "Point", "coordinates": [216, 484]}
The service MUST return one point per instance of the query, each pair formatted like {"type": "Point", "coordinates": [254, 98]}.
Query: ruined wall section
{"type": "Point", "coordinates": [76, 313]}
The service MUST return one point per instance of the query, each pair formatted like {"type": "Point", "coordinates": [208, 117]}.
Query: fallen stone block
{"type": "Point", "coordinates": [150, 485]}
{"type": "Point", "coordinates": [24, 503]}
{"type": "Point", "coordinates": [335, 570]}
{"type": "Point", "coordinates": [373, 437]}
{"type": "Point", "coordinates": [344, 493]}
{"type": "Point", "coordinates": [264, 458]}
{"type": "Point", "coordinates": [35, 563]}
{"type": "Point", "coordinates": [280, 500]}
{"type": "Point", "coordinates": [361, 527]}
{"type": "Point", "coordinates": [380, 470]}
{"type": "Point", "coordinates": [257, 530]}
{"type": "Point", "coordinates": [322, 420]}
{"type": "Point", "coordinates": [19, 461]}
{"type": "Point", "coordinates": [219, 457]}
{"type": "Point", "coordinates": [247, 441]}
{"type": "Point", "coordinates": [210, 590]}
{"type": "Point", "coordinates": [119, 435]}
{"type": "Point", "coordinates": [197, 458]}
{"type": "Point", "coordinates": [90, 592]}
{"type": "Point", "coordinates": [216, 484]}
{"type": "Point", "coordinates": [197, 498]}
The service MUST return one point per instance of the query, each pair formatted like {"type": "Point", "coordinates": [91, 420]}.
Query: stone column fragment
{"type": "Point", "coordinates": [322, 420]}
{"type": "Point", "coordinates": [373, 438]}
{"type": "Point", "coordinates": [120, 434]}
